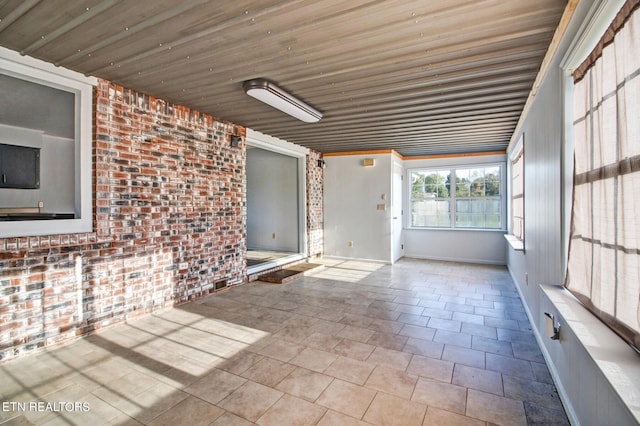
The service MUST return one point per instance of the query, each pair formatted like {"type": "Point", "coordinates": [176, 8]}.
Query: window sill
{"type": "Point", "coordinates": [28, 228]}
{"type": "Point", "coordinates": [425, 228]}
{"type": "Point", "coordinates": [516, 243]}
{"type": "Point", "coordinates": [613, 357]}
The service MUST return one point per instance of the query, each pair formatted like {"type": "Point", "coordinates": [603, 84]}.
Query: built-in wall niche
{"type": "Point", "coordinates": [45, 134]}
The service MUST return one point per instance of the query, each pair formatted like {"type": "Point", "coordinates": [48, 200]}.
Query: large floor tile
{"type": "Point", "coordinates": [314, 359]}
{"type": "Point", "coordinates": [390, 358]}
{"type": "Point", "coordinates": [192, 411]}
{"type": "Point", "coordinates": [347, 398]}
{"type": "Point", "coordinates": [290, 410]}
{"type": "Point", "coordinates": [268, 371]}
{"type": "Point", "coordinates": [495, 409]}
{"type": "Point", "coordinates": [390, 410]}
{"type": "Point", "coordinates": [305, 384]}
{"type": "Point", "coordinates": [510, 366]}
{"type": "Point", "coordinates": [251, 400]}
{"type": "Point", "coordinates": [215, 386]}
{"type": "Point", "coordinates": [281, 349]}
{"type": "Point", "coordinates": [438, 417]}
{"type": "Point", "coordinates": [350, 370]}
{"type": "Point", "coordinates": [431, 368]}
{"type": "Point", "coordinates": [424, 347]}
{"type": "Point", "coordinates": [353, 349]}
{"type": "Point", "coordinates": [392, 381]}
{"type": "Point", "coordinates": [478, 378]}
{"type": "Point", "coordinates": [333, 418]}
{"type": "Point", "coordinates": [441, 395]}
{"type": "Point", "coordinates": [416, 342]}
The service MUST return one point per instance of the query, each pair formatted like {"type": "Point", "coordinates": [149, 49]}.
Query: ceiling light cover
{"type": "Point", "coordinates": [271, 94]}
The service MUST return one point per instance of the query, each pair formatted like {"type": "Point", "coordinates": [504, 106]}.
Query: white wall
{"type": "Point", "coordinates": [57, 166]}
{"type": "Point", "coordinates": [589, 397]}
{"type": "Point", "coordinates": [352, 194]}
{"type": "Point", "coordinates": [272, 201]}
{"type": "Point", "coordinates": [486, 247]}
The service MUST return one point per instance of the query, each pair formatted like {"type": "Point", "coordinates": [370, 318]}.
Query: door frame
{"type": "Point", "coordinates": [273, 144]}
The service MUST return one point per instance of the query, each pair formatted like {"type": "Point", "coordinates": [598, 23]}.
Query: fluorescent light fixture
{"type": "Point", "coordinates": [270, 94]}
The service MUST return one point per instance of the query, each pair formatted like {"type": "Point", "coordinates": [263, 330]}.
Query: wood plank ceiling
{"type": "Point", "coordinates": [421, 77]}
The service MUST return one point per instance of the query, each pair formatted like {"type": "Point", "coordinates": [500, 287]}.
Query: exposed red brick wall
{"type": "Point", "coordinates": [169, 225]}
{"type": "Point", "coordinates": [169, 205]}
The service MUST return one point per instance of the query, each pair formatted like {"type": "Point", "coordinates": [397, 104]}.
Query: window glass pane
{"type": "Point", "coordinates": [462, 188]}
{"type": "Point", "coordinates": [417, 183]}
{"type": "Point", "coordinates": [492, 182]}
{"type": "Point", "coordinates": [431, 213]}
{"type": "Point", "coordinates": [477, 188]}
{"type": "Point", "coordinates": [463, 220]}
{"type": "Point", "coordinates": [478, 213]}
{"type": "Point", "coordinates": [426, 184]}
{"type": "Point", "coordinates": [478, 221]}
{"type": "Point", "coordinates": [477, 206]}
{"type": "Point", "coordinates": [462, 183]}
{"type": "Point", "coordinates": [493, 205]}
{"type": "Point", "coordinates": [475, 174]}
{"type": "Point", "coordinates": [493, 221]}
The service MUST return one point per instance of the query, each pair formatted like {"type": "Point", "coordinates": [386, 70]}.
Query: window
{"type": "Point", "coordinates": [604, 253]}
{"type": "Point", "coordinates": [517, 192]}
{"type": "Point", "coordinates": [46, 135]}
{"type": "Point", "coordinates": [473, 201]}
{"type": "Point", "coordinates": [430, 201]}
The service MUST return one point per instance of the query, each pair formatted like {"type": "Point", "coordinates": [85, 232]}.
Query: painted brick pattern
{"type": "Point", "coordinates": [170, 223]}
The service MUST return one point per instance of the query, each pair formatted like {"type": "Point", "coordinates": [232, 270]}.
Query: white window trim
{"type": "Point", "coordinates": [273, 144]}
{"type": "Point", "coordinates": [35, 70]}
{"type": "Point", "coordinates": [452, 167]}
{"type": "Point", "coordinates": [516, 243]}
{"type": "Point", "coordinates": [598, 20]}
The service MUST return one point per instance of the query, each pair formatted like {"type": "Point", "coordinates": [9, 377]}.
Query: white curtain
{"type": "Point", "coordinates": [604, 253]}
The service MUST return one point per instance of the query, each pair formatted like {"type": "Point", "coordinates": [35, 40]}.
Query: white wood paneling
{"type": "Point", "coordinates": [589, 397]}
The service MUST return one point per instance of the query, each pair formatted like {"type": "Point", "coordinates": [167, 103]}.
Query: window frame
{"type": "Point", "coordinates": [451, 169]}
{"type": "Point", "coordinates": [517, 241]}
{"type": "Point", "coordinates": [34, 70]}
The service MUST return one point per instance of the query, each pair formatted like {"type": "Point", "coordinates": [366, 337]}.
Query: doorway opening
{"type": "Point", "coordinates": [276, 202]}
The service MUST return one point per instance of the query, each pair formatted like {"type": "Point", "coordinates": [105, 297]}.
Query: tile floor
{"type": "Point", "coordinates": [416, 343]}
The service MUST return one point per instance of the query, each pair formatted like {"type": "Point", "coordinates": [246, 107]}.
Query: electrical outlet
{"type": "Point", "coordinates": [40, 204]}
{"type": "Point", "coordinates": [350, 243]}
{"type": "Point", "coordinates": [273, 235]}
{"type": "Point", "coordinates": [526, 278]}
